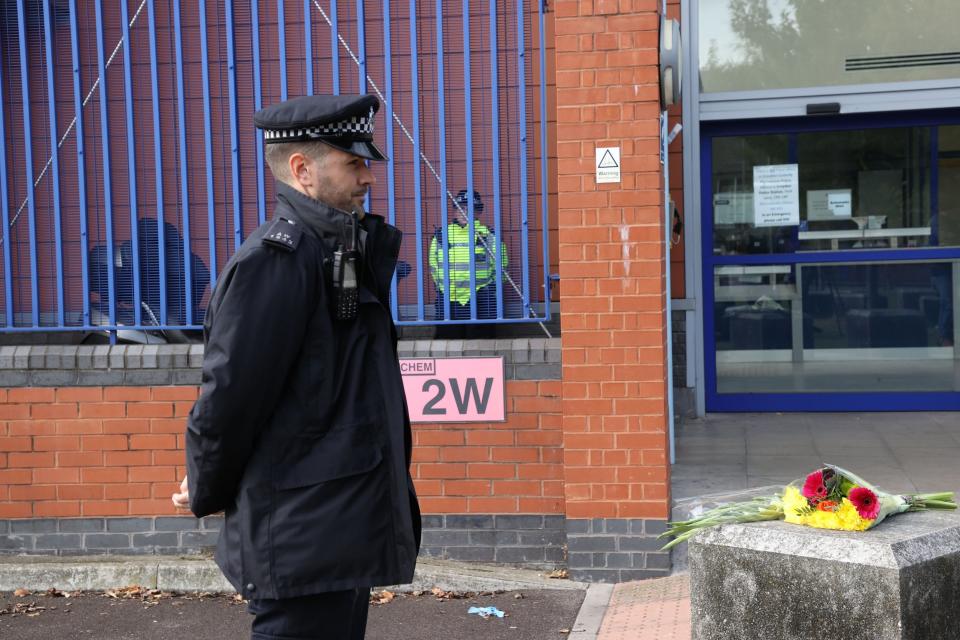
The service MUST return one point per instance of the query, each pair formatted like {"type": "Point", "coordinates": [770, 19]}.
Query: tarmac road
{"type": "Point", "coordinates": [538, 615]}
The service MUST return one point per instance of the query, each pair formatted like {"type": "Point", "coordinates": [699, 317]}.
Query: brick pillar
{"type": "Point", "coordinates": [612, 290]}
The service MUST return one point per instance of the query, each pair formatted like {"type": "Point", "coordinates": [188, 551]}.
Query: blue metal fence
{"type": "Point", "coordinates": [131, 169]}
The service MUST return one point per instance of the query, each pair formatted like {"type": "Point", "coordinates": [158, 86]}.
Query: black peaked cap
{"type": "Point", "coordinates": [344, 122]}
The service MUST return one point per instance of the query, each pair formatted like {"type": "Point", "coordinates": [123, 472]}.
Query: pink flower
{"type": "Point", "coordinates": [814, 488]}
{"type": "Point", "coordinates": [866, 502]}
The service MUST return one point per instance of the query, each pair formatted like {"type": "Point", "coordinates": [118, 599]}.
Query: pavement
{"type": "Point", "coordinates": [538, 606]}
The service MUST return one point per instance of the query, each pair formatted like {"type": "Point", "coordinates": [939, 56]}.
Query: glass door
{"type": "Point", "coordinates": [832, 263]}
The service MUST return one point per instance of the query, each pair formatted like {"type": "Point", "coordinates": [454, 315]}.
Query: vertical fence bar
{"type": "Point", "coordinates": [495, 139]}
{"type": "Point", "coordinates": [54, 157]}
{"type": "Point", "coordinates": [362, 44]}
{"type": "Point", "coordinates": [544, 166]}
{"type": "Point", "coordinates": [468, 137]}
{"type": "Point", "coordinates": [442, 121]}
{"type": "Point", "coordinates": [282, 46]}
{"type": "Point", "coordinates": [307, 44]}
{"type": "Point", "coordinates": [105, 144]}
{"type": "Point", "coordinates": [524, 205]}
{"type": "Point", "coordinates": [362, 53]}
{"type": "Point", "coordinates": [158, 170]}
{"type": "Point", "coordinates": [417, 195]}
{"type": "Point", "coordinates": [335, 46]}
{"type": "Point", "coordinates": [388, 108]}
{"type": "Point", "coordinates": [28, 168]}
{"type": "Point", "coordinates": [132, 153]}
{"type": "Point", "coordinates": [5, 208]}
{"type": "Point", "coordinates": [81, 169]}
{"type": "Point", "coordinates": [234, 137]}
{"type": "Point", "coordinates": [258, 104]}
{"type": "Point", "coordinates": [208, 143]}
{"type": "Point", "coordinates": [184, 173]}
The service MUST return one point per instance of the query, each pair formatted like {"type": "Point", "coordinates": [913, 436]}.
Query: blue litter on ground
{"type": "Point", "coordinates": [486, 612]}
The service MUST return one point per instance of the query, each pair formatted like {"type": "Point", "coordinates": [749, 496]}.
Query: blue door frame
{"type": "Point", "coordinates": [807, 402]}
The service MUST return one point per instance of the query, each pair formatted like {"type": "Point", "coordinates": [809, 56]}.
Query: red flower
{"type": "Point", "coordinates": [814, 488]}
{"type": "Point", "coordinates": [866, 502]}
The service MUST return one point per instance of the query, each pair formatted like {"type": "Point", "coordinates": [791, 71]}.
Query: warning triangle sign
{"type": "Point", "coordinates": [607, 161]}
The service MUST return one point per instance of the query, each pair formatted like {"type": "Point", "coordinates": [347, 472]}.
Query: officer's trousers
{"type": "Point", "coordinates": [337, 615]}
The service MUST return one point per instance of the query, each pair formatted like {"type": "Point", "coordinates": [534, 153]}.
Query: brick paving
{"type": "Point", "coordinates": [648, 609]}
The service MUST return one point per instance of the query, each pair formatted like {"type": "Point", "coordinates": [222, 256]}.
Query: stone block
{"type": "Point", "coordinates": [197, 539]}
{"type": "Point", "coordinates": [129, 525]}
{"type": "Point", "coordinates": [469, 522]}
{"type": "Point", "coordinates": [183, 523]}
{"type": "Point", "coordinates": [592, 543]}
{"type": "Point", "coordinates": [54, 378]}
{"type": "Point", "coordinates": [106, 541]}
{"type": "Point", "coordinates": [36, 525]}
{"type": "Point", "coordinates": [57, 541]}
{"type": "Point", "coordinates": [81, 525]}
{"type": "Point", "coordinates": [14, 378]}
{"type": "Point", "coordinates": [167, 539]}
{"type": "Point", "coordinates": [21, 357]}
{"type": "Point", "coordinates": [519, 555]}
{"type": "Point", "coordinates": [187, 376]}
{"type": "Point", "coordinates": [147, 377]}
{"type": "Point", "coordinates": [7, 353]}
{"type": "Point", "coordinates": [37, 354]}
{"type": "Point", "coordinates": [776, 581]}
{"type": "Point", "coordinates": [470, 554]}
{"type": "Point", "coordinates": [518, 522]}
{"type": "Point", "coordinates": [100, 378]}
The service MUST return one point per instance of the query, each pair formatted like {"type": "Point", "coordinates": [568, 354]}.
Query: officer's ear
{"type": "Point", "coordinates": [299, 165]}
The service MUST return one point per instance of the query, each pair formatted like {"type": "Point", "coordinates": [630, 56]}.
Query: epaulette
{"type": "Point", "coordinates": [283, 234]}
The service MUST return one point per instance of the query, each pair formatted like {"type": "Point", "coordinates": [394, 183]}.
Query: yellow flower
{"type": "Point", "coordinates": [796, 510]}
{"type": "Point", "coordinates": [793, 503]}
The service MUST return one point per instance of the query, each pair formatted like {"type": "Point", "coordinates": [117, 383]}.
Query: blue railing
{"type": "Point", "coordinates": [131, 169]}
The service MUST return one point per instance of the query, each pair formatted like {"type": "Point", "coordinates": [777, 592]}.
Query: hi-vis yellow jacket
{"type": "Point", "coordinates": [458, 238]}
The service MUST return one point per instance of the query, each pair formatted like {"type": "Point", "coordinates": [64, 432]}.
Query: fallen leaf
{"type": "Point", "coordinates": [382, 597]}
{"type": "Point", "coordinates": [54, 593]}
{"type": "Point", "coordinates": [518, 596]}
{"type": "Point", "coordinates": [22, 593]}
{"type": "Point", "coordinates": [560, 574]}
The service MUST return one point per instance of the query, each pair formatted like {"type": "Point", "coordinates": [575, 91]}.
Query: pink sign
{"type": "Point", "coordinates": [454, 389]}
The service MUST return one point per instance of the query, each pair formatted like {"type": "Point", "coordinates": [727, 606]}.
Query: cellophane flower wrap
{"type": "Point", "coordinates": [829, 498]}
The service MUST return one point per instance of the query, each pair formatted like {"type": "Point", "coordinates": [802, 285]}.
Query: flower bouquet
{"type": "Point", "coordinates": [829, 498]}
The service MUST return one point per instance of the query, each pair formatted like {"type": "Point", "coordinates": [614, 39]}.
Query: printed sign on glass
{"type": "Point", "coordinates": [776, 195]}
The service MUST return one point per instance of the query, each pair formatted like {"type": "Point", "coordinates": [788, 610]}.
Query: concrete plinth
{"type": "Point", "coordinates": [777, 581]}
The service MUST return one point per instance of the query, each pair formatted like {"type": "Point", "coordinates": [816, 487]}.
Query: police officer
{"type": "Point", "coordinates": [301, 434]}
{"type": "Point", "coordinates": [485, 269]}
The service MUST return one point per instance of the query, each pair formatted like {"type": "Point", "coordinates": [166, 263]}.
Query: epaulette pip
{"type": "Point", "coordinates": [283, 234]}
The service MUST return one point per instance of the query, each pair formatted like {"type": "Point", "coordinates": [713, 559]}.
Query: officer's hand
{"type": "Point", "coordinates": [182, 500]}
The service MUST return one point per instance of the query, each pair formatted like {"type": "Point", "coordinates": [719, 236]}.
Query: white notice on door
{"type": "Point", "coordinates": [608, 164]}
{"type": "Point", "coordinates": [776, 193]}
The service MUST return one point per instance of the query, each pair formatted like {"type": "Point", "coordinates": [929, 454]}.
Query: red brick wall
{"type": "Point", "coordinates": [611, 261]}
{"type": "Point", "coordinates": [509, 467]}
{"type": "Point", "coordinates": [118, 451]}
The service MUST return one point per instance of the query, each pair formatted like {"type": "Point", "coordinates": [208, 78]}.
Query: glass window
{"type": "Point", "coordinates": [866, 189]}
{"type": "Point", "coordinates": [836, 190]}
{"type": "Point", "coordinates": [786, 44]}
{"type": "Point", "coordinates": [734, 228]}
{"type": "Point", "coordinates": [870, 327]}
{"type": "Point", "coordinates": [946, 218]}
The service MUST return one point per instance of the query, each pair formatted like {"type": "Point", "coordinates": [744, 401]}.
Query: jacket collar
{"type": "Point", "coordinates": [318, 217]}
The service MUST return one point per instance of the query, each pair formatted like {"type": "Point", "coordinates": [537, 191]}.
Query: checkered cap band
{"type": "Point", "coordinates": [357, 125]}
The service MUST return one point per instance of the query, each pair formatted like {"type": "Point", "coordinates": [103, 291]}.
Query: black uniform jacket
{"type": "Point", "coordinates": [301, 434]}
